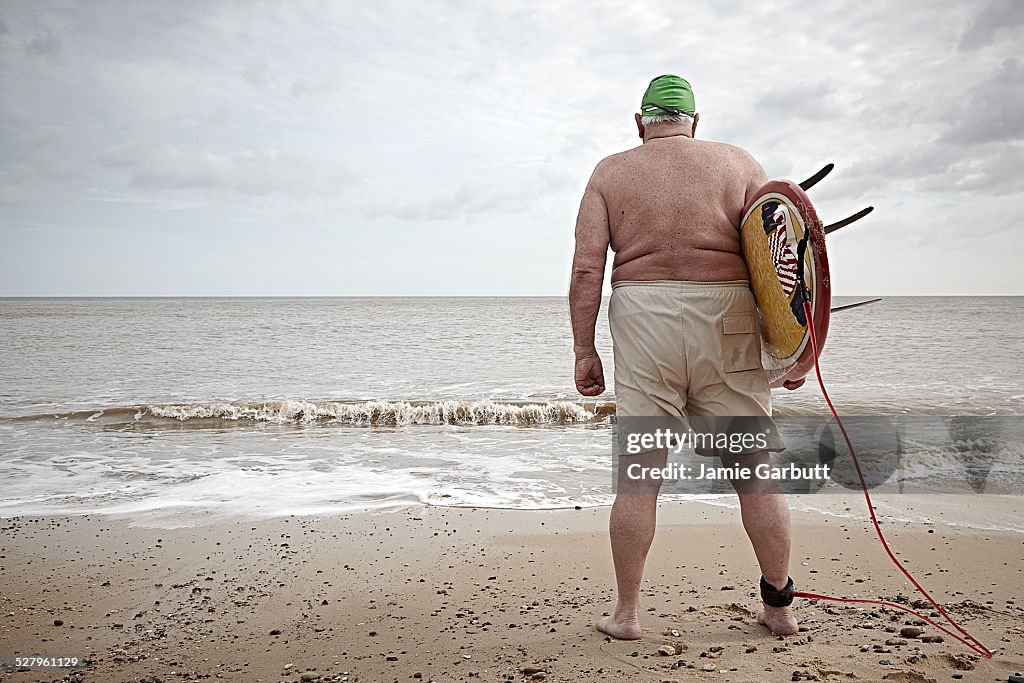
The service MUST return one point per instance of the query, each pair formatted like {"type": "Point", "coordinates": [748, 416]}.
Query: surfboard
{"type": "Point", "coordinates": [774, 223]}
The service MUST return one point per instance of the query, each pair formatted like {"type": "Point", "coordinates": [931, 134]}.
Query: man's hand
{"type": "Point", "coordinates": [792, 384]}
{"type": "Point", "coordinates": [589, 375]}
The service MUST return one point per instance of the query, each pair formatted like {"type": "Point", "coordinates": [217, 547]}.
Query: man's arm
{"type": "Point", "coordinates": [592, 238]}
{"type": "Point", "coordinates": [756, 179]}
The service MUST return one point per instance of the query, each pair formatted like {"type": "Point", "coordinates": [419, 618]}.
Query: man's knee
{"type": "Point", "coordinates": [751, 473]}
{"type": "Point", "coordinates": [641, 474]}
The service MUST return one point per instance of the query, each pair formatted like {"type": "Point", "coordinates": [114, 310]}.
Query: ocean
{"type": "Point", "coordinates": [176, 412]}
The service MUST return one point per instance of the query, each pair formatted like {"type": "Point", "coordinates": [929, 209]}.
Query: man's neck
{"type": "Point", "coordinates": [656, 131]}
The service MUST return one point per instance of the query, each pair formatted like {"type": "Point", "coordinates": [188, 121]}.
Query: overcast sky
{"type": "Point", "coordinates": [419, 148]}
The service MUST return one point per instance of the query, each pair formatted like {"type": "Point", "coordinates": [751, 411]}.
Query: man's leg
{"type": "Point", "coordinates": [766, 520]}
{"type": "Point", "coordinates": [631, 527]}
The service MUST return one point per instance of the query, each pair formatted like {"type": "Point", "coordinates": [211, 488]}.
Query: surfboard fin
{"type": "Point", "coordinates": [832, 227]}
{"type": "Point", "coordinates": [849, 306]}
{"type": "Point", "coordinates": [817, 177]}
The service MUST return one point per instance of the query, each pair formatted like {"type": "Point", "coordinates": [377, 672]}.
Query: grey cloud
{"type": "Point", "coordinates": [972, 146]}
{"type": "Point", "coordinates": [993, 109]}
{"type": "Point", "coordinates": [272, 111]}
{"type": "Point", "coordinates": [996, 174]}
{"type": "Point", "coordinates": [483, 195]}
{"type": "Point", "coordinates": [468, 199]}
{"type": "Point", "coordinates": [807, 101]}
{"type": "Point", "coordinates": [995, 17]}
{"type": "Point", "coordinates": [983, 170]}
{"type": "Point", "coordinates": [166, 167]}
{"type": "Point", "coordinates": [255, 75]}
{"type": "Point", "coordinates": [45, 45]}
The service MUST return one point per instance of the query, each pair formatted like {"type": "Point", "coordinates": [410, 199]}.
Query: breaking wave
{"type": "Point", "coordinates": [361, 413]}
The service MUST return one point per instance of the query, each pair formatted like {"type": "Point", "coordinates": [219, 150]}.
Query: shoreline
{"type": "Point", "coordinates": [458, 594]}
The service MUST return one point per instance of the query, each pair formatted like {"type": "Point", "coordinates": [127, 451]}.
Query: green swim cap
{"type": "Point", "coordinates": [667, 95]}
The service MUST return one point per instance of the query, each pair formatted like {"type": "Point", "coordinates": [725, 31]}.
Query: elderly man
{"type": "Point", "coordinates": [683, 326]}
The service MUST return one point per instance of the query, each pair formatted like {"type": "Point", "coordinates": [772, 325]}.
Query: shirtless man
{"type": "Point", "coordinates": [683, 326]}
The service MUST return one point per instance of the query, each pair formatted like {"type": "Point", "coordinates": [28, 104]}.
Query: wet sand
{"type": "Point", "coordinates": [448, 594]}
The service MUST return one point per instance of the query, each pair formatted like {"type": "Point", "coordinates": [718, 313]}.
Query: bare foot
{"type": "Point", "coordinates": [779, 619]}
{"type": "Point", "coordinates": [620, 627]}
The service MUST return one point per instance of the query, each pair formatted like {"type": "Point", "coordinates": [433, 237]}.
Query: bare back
{"type": "Point", "coordinates": [674, 208]}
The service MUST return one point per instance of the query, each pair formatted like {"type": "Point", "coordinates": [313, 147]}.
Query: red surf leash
{"type": "Point", "coordinates": [967, 639]}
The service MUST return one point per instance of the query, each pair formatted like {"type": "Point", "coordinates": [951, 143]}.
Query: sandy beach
{"type": "Point", "coordinates": [449, 594]}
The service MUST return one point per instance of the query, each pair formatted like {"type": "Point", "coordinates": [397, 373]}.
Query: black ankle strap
{"type": "Point", "coordinates": [773, 597]}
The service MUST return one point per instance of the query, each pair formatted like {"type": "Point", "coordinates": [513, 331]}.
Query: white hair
{"type": "Point", "coordinates": [668, 118]}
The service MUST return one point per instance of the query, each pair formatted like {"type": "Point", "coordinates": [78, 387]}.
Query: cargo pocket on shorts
{"type": "Point", "coordinates": [741, 343]}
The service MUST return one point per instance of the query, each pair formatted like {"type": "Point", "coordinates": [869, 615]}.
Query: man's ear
{"type": "Point", "coordinates": [693, 131]}
{"type": "Point", "coordinates": [639, 125]}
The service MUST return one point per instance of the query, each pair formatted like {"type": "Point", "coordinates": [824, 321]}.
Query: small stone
{"type": "Point", "coordinates": [275, 632]}
{"type": "Point", "coordinates": [708, 667]}
{"type": "Point", "coordinates": [728, 588]}
{"type": "Point", "coordinates": [309, 676]}
{"type": "Point", "coordinates": [911, 631]}
{"type": "Point", "coordinates": [58, 622]}
{"type": "Point", "coordinates": [530, 670]}
{"type": "Point", "coordinates": [539, 676]}
{"type": "Point", "coordinates": [667, 650]}
{"type": "Point", "coordinates": [931, 639]}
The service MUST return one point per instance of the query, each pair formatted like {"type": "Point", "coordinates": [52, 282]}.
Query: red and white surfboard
{"type": "Point", "coordinates": [774, 222]}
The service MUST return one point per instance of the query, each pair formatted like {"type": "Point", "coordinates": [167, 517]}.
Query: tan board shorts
{"type": "Point", "coordinates": [685, 349]}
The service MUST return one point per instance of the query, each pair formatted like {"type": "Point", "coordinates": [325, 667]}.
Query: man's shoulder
{"type": "Point", "coordinates": [628, 159]}
{"type": "Point", "coordinates": [614, 160]}
{"type": "Point", "coordinates": [727, 149]}
{"type": "Point", "coordinates": [724, 149]}
{"type": "Point", "coordinates": [606, 168]}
